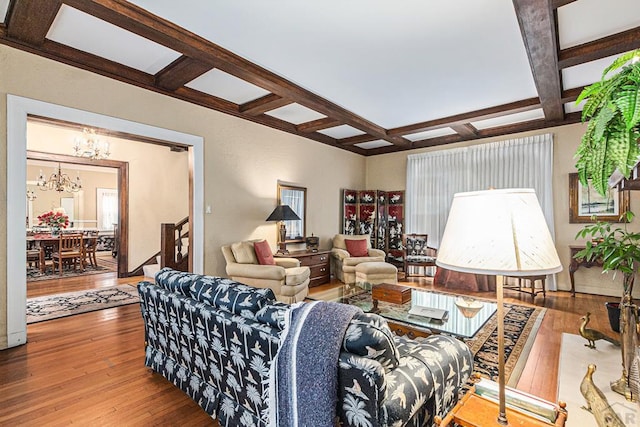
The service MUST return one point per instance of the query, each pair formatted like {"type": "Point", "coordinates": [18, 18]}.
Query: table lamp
{"type": "Point", "coordinates": [499, 232]}
{"type": "Point", "coordinates": [283, 213]}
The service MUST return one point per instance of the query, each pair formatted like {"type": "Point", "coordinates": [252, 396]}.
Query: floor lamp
{"type": "Point", "coordinates": [502, 233]}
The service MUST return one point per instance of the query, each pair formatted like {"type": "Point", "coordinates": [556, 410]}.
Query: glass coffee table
{"type": "Point", "coordinates": [461, 322]}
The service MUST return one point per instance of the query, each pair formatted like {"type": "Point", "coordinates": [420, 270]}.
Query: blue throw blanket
{"type": "Point", "coordinates": [304, 373]}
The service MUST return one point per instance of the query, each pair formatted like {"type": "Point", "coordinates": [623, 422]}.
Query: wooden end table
{"type": "Point", "coordinates": [476, 411]}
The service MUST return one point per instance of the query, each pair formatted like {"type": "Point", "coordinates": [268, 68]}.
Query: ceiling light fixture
{"type": "Point", "coordinates": [88, 145]}
{"type": "Point", "coordinates": [59, 181]}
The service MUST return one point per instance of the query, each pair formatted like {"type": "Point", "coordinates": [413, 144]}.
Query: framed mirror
{"type": "Point", "coordinates": [296, 198]}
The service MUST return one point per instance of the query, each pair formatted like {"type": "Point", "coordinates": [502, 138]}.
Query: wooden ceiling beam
{"type": "Point", "coordinates": [139, 21]}
{"type": "Point", "coordinates": [465, 130]}
{"type": "Point", "coordinates": [315, 125]}
{"type": "Point", "coordinates": [101, 66]}
{"type": "Point", "coordinates": [263, 104]}
{"type": "Point", "coordinates": [484, 133]}
{"type": "Point", "coordinates": [472, 116]}
{"type": "Point", "coordinates": [180, 72]}
{"type": "Point", "coordinates": [559, 3]}
{"type": "Point", "coordinates": [358, 139]}
{"type": "Point", "coordinates": [530, 125]}
{"type": "Point", "coordinates": [29, 20]}
{"type": "Point", "coordinates": [614, 44]}
{"type": "Point", "coordinates": [537, 25]}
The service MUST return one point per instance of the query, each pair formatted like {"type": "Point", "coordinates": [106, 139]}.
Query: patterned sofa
{"type": "Point", "coordinates": [215, 338]}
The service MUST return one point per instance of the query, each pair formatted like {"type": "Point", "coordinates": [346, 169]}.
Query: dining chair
{"type": "Point", "coordinates": [90, 246]}
{"type": "Point", "coordinates": [70, 248]}
{"type": "Point", "coordinates": [33, 257]}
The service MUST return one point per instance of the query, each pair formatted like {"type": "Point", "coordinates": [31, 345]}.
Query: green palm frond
{"type": "Point", "coordinates": [601, 120]}
{"type": "Point", "coordinates": [612, 108]}
{"type": "Point", "coordinates": [602, 98]}
{"type": "Point", "coordinates": [588, 91]}
{"type": "Point", "coordinates": [620, 61]}
{"type": "Point", "coordinates": [628, 101]}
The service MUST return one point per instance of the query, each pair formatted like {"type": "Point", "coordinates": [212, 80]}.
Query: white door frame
{"type": "Point", "coordinates": [18, 108]}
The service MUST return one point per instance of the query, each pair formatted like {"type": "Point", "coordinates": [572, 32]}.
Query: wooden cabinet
{"type": "Point", "coordinates": [318, 262]}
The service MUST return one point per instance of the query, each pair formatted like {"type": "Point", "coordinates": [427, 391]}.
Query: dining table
{"type": "Point", "coordinates": [47, 243]}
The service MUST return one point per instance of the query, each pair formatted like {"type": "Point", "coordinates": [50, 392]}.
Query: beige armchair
{"type": "Point", "coordinates": [343, 265]}
{"type": "Point", "coordinates": [288, 281]}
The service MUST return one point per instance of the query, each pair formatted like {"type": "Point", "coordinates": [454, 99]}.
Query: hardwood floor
{"type": "Point", "coordinates": [88, 369]}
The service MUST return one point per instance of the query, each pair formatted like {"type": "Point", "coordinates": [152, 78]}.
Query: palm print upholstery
{"type": "Point", "coordinates": [215, 339]}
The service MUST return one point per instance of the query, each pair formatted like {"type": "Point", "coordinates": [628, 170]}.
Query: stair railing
{"type": "Point", "coordinates": [173, 253]}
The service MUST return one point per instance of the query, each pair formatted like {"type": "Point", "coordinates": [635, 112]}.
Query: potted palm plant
{"type": "Point", "coordinates": [612, 108]}
{"type": "Point", "coordinates": [619, 251]}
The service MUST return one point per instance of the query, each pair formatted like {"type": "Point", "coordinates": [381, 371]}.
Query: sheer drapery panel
{"type": "Point", "coordinates": [434, 177]}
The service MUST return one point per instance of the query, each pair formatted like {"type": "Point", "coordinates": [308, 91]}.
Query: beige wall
{"type": "Point", "coordinates": [243, 161]}
{"type": "Point", "coordinates": [84, 200]}
{"type": "Point", "coordinates": [158, 183]}
{"type": "Point", "coordinates": [388, 172]}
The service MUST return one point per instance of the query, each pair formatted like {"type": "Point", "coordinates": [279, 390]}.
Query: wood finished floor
{"type": "Point", "coordinates": [88, 369]}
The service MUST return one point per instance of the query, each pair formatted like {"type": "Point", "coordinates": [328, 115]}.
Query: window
{"type": "Point", "coordinates": [107, 208]}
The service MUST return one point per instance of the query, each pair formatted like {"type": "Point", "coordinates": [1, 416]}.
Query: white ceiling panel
{"type": "Point", "coordinates": [571, 107]}
{"type": "Point", "coordinates": [391, 65]}
{"type": "Point", "coordinates": [295, 113]}
{"type": "Point", "coordinates": [373, 144]}
{"type": "Point", "coordinates": [4, 5]}
{"type": "Point", "coordinates": [585, 74]}
{"type": "Point", "coordinates": [89, 34]}
{"type": "Point", "coordinates": [511, 118]}
{"type": "Point", "coordinates": [587, 20]}
{"type": "Point", "coordinates": [343, 131]}
{"type": "Point", "coordinates": [226, 86]}
{"type": "Point", "coordinates": [429, 134]}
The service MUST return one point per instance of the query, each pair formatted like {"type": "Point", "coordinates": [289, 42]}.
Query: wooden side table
{"type": "Point", "coordinates": [476, 411]}
{"type": "Point", "coordinates": [318, 263]}
{"type": "Point", "coordinates": [575, 264]}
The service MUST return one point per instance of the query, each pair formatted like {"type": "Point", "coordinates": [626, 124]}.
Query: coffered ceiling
{"type": "Point", "coordinates": [367, 76]}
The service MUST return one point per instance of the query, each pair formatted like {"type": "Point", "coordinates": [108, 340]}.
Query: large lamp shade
{"type": "Point", "coordinates": [503, 233]}
{"type": "Point", "coordinates": [498, 232]}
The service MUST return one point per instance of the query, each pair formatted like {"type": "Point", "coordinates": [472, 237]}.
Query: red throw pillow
{"type": "Point", "coordinates": [263, 253]}
{"type": "Point", "coordinates": [357, 248]}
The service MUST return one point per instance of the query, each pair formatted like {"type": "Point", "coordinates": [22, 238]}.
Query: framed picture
{"type": "Point", "coordinates": [586, 205]}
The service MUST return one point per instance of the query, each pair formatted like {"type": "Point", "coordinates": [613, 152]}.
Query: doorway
{"type": "Point", "coordinates": [18, 110]}
{"type": "Point", "coordinates": [122, 171]}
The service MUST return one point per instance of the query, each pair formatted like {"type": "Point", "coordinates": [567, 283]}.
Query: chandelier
{"type": "Point", "coordinates": [59, 181]}
{"type": "Point", "coordinates": [88, 145]}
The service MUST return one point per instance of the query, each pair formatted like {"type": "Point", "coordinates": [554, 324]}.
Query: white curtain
{"type": "Point", "coordinates": [434, 177]}
{"type": "Point", "coordinates": [295, 200]}
{"type": "Point", "coordinates": [107, 208]}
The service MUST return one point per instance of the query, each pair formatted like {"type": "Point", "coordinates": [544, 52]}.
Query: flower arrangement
{"type": "Point", "coordinates": [54, 219]}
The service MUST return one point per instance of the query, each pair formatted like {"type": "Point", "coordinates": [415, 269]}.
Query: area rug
{"type": "Point", "coordinates": [34, 274]}
{"type": "Point", "coordinates": [574, 359]}
{"type": "Point", "coordinates": [67, 304]}
{"type": "Point", "coordinates": [521, 324]}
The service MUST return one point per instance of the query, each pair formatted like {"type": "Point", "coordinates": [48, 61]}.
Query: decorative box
{"type": "Point", "coordinates": [312, 243]}
{"type": "Point", "coordinates": [396, 294]}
